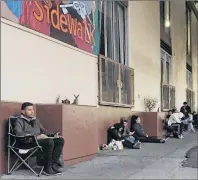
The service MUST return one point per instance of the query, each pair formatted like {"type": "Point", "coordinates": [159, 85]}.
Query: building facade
{"type": "Point", "coordinates": [109, 53]}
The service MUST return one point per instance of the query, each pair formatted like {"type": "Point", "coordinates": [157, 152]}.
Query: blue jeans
{"type": "Point", "coordinates": [130, 139]}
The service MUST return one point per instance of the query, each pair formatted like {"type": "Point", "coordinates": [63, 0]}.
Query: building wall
{"type": "Point", "coordinates": [37, 68]}
{"type": "Point", "coordinates": [195, 57]}
{"type": "Point", "coordinates": [144, 44]}
{"type": "Point", "coordinates": [40, 67]}
{"type": "Point", "coordinates": [178, 33]}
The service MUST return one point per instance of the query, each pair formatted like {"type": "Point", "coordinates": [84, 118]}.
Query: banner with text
{"type": "Point", "coordinates": [72, 22]}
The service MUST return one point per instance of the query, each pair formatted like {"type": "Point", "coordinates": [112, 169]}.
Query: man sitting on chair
{"type": "Point", "coordinates": [27, 124]}
{"type": "Point", "coordinates": [174, 121]}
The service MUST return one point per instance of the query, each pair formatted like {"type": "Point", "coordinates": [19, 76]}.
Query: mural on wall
{"type": "Point", "coordinates": [73, 22]}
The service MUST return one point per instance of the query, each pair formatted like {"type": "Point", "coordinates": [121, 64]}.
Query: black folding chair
{"type": "Point", "coordinates": [23, 147]}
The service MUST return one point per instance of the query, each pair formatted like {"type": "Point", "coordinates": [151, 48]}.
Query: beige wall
{"type": "Point", "coordinates": [144, 50]}
{"type": "Point", "coordinates": [178, 30]}
{"type": "Point", "coordinates": [38, 69]}
{"type": "Point", "coordinates": [195, 57]}
{"type": "Point", "coordinates": [178, 33]}
{"type": "Point", "coordinates": [45, 67]}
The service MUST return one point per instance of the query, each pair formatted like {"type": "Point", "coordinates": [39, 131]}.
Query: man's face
{"type": "Point", "coordinates": [28, 111]}
{"type": "Point", "coordinates": [170, 113]}
{"type": "Point", "coordinates": [185, 105]}
{"type": "Point", "coordinates": [125, 124]}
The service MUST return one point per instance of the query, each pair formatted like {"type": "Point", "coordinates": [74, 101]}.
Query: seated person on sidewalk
{"type": "Point", "coordinates": [170, 129]}
{"type": "Point", "coordinates": [139, 132]}
{"type": "Point", "coordinates": [185, 109]}
{"type": "Point", "coordinates": [27, 124]}
{"type": "Point", "coordinates": [189, 122]}
{"type": "Point", "coordinates": [188, 117]}
{"type": "Point", "coordinates": [121, 132]}
{"type": "Point", "coordinates": [174, 122]}
{"type": "Point", "coordinates": [195, 119]}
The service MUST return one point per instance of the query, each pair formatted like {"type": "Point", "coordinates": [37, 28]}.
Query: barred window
{"type": "Point", "coordinates": [167, 89]}
{"type": "Point", "coordinates": [116, 83]}
{"type": "Point", "coordinates": [116, 79]}
{"type": "Point", "coordinates": [190, 98]}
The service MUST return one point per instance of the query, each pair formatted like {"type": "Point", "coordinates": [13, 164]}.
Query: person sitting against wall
{"type": "Point", "coordinates": [121, 132]}
{"type": "Point", "coordinates": [139, 132]}
{"type": "Point", "coordinates": [185, 109]}
{"type": "Point", "coordinates": [28, 124]}
{"type": "Point", "coordinates": [169, 129]}
{"type": "Point", "coordinates": [195, 119]}
{"type": "Point", "coordinates": [174, 123]}
{"type": "Point", "coordinates": [188, 117]}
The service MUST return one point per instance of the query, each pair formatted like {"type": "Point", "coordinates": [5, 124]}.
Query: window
{"type": "Point", "coordinates": [116, 83]}
{"type": "Point", "coordinates": [188, 35]}
{"type": "Point", "coordinates": [190, 98]}
{"type": "Point", "coordinates": [165, 16]}
{"type": "Point", "coordinates": [196, 5]}
{"type": "Point", "coordinates": [190, 95]}
{"type": "Point", "coordinates": [116, 79]}
{"type": "Point", "coordinates": [189, 80]}
{"type": "Point", "coordinates": [168, 90]}
{"type": "Point", "coordinates": [113, 31]}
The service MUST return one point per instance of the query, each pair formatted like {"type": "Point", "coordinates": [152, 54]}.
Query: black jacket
{"type": "Point", "coordinates": [185, 110]}
{"type": "Point", "coordinates": [117, 132]}
{"type": "Point", "coordinates": [139, 130]}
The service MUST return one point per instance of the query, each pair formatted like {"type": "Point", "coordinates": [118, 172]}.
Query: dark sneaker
{"type": "Point", "coordinates": [56, 169]}
{"type": "Point", "coordinates": [162, 141]}
{"type": "Point", "coordinates": [49, 172]}
{"type": "Point", "coordinates": [137, 145]}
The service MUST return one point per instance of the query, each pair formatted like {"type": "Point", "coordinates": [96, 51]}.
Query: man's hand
{"type": "Point", "coordinates": [58, 135]}
{"type": "Point", "coordinates": [131, 133]}
{"type": "Point", "coordinates": [42, 136]}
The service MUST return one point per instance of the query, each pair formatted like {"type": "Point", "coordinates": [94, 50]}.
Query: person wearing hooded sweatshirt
{"type": "Point", "coordinates": [140, 133]}
{"type": "Point", "coordinates": [27, 125]}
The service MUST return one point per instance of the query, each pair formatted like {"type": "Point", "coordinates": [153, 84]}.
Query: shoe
{"type": "Point", "coordinates": [181, 136]}
{"type": "Point", "coordinates": [49, 172]}
{"type": "Point", "coordinates": [162, 141]}
{"type": "Point", "coordinates": [56, 169]}
{"type": "Point", "coordinates": [137, 145]}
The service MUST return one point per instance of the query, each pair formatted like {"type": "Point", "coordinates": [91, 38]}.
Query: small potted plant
{"type": "Point", "coordinates": [150, 103]}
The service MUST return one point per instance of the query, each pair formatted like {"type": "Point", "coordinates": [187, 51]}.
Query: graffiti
{"type": "Point", "coordinates": [73, 22]}
{"type": "Point", "coordinates": [81, 9]}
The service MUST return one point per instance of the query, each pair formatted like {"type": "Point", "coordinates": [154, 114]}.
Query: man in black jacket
{"type": "Point", "coordinates": [140, 134]}
{"type": "Point", "coordinates": [52, 147]}
{"type": "Point", "coordinates": [121, 132]}
{"type": "Point", "coordinates": [185, 109]}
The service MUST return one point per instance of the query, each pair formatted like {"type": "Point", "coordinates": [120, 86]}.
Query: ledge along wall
{"type": "Point", "coordinates": [84, 128]}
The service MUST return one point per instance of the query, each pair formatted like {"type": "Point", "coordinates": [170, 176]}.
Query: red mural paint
{"type": "Point", "coordinates": [82, 44]}
{"type": "Point", "coordinates": [27, 19]}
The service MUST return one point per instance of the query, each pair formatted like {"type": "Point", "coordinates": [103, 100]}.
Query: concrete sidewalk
{"type": "Point", "coordinates": [152, 161]}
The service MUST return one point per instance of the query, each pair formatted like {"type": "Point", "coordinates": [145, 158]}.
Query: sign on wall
{"type": "Point", "coordinates": [72, 22]}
